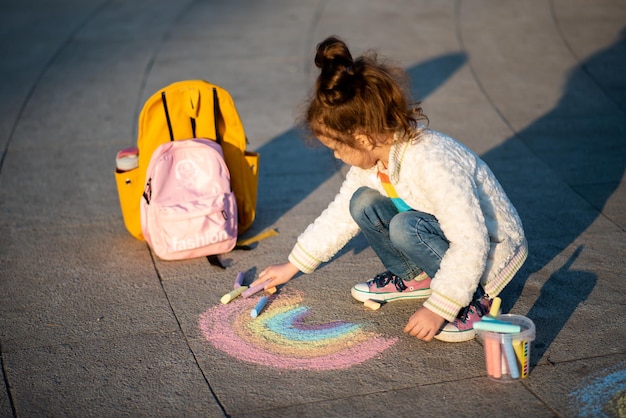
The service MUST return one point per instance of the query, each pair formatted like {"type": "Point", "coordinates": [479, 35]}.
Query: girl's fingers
{"type": "Point", "coordinates": [260, 279]}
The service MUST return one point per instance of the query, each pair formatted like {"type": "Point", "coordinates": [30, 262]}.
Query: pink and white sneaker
{"type": "Point", "coordinates": [462, 328]}
{"type": "Point", "coordinates": [389, 287]}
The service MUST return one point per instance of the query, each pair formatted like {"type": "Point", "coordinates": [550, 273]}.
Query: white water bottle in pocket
{"type": "Point", "coordinates": [127, 159]}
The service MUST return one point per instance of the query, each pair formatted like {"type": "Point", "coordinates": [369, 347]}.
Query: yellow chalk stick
{"type": "Point", "coordinates": [258, 237]}
{"type": "Point", "coordinates": [521, 352]}
{"type": "Point", "coordinates": [517, 346]}
{"type": "Point", "coordinates": [495, 307]}
{"type": "Point", "coordinates": [232, 294]}
{"type": "Point", "coordinates": [271, 290]}
{"type": "Point", "coordinates": [373, 305]}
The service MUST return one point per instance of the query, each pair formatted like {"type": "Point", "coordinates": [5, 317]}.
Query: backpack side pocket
{"type": "Point", "coordinates": [129, 191]}
{"type": "Point", "coordinates": [246, 204]}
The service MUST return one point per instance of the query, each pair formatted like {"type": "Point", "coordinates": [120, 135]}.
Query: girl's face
{"type": "Point", "coordinates": [361, 157]}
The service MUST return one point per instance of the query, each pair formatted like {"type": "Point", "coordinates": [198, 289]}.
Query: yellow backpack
{"type": "Point", "coordinates": [185, 110]}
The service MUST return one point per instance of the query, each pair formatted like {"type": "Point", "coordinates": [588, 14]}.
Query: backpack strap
{"type": "Point", "coordinates": [193, 126]}
{"type": "Point", "coordinates": [216, 114]}
{"type": "Point", "coordinates": [214, 260]}
{"type": "Point", "coordinates": [192, 120]}
{"type": "Point", "coordinates": [147, 193]}
{"type": "Point", "coordinates": [167, 116]}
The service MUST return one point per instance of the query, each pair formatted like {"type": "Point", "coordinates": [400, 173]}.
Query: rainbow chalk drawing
{"type": "Point", "coordinates": [284, 338]}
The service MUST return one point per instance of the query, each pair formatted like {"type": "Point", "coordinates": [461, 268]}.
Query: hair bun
{"type": "Point", "coordinates": [332, 53]}
{"type": "Point", "coordinates": [336, 82]}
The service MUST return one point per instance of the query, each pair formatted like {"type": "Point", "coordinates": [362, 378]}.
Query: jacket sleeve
{"type": "Point", "coordinates": [446, 177]}
{"type": "Point", "coordinates": [332, 230]}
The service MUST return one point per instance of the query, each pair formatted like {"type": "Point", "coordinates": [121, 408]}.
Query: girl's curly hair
{"type": "Point", "coordinates": [359, 96]}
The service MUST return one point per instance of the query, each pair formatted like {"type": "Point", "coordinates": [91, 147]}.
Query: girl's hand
{"type": "Point", "coordinates": [276, 275]}
{"type": "Point", "coordinates": [424, 324]}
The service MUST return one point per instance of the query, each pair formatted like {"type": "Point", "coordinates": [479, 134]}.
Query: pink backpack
{"type": "Point", "coordinates": [188, 209]}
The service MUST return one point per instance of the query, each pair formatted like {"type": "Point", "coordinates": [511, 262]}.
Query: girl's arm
{"type": "Point", "coordinates": [332, 230]}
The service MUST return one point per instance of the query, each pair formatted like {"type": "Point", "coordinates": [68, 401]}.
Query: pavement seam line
{"type": "Point", "coordinates": [7, 384]}
{"type": "Point", "coordinates": [182, 331]}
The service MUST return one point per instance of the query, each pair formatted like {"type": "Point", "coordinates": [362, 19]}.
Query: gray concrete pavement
{"type": "Point", "coordinates": [91, 324]}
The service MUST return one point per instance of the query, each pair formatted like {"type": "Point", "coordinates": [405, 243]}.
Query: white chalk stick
{"type": "Point", "coordinates": [371, 304]}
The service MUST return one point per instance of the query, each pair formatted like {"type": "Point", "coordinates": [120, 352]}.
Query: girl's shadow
{"type": "Point", "coordinates": [581, 148]}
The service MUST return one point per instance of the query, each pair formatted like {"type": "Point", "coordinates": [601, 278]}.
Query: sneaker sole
{"type": "Point", "coordinates": [390, 296]}
{"type": "Point", "coordinates": [456, 336]}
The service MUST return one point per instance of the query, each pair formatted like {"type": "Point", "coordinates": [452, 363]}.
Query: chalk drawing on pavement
{"type": "Point", "coordinates": [603, 396]}
{"type": "Point", "coordinates": [283, 336]}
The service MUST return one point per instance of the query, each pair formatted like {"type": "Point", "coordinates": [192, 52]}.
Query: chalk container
{"type": "Point", "coordinates": [507, 355]}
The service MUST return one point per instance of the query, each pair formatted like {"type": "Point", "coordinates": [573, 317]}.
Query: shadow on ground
{"type": "Point", "coordinates": [582, 143]}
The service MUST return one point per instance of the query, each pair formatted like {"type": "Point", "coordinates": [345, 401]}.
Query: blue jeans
{"type": "Point", "coordinates": [407, 243]}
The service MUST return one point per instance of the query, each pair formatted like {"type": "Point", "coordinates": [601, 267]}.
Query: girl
{"type": "Point", "coordinates": [430, 208]}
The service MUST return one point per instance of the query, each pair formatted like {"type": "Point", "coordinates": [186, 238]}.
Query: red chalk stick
{"type": "Point", "coordinates": [493, 358]}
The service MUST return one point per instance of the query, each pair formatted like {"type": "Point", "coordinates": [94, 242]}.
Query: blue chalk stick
{"type": "Point", "coordinates": [511, 360]}
{"type": "Point", "coordinates": [497, 326]}
{"type": "Point", "coordinates": [259, 307]}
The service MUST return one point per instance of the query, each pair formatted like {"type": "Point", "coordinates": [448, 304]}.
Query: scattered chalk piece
{"type": "Point", "coordinates": [373, 304]}
{"type": "Point", "coordinates": [233, 294]}
{"type": "Point", "coordinates": [252, 290]}
{"type": "Point", "coordinates": [239, 280]}
{"type": "Point", "coordinates": [259, 307]}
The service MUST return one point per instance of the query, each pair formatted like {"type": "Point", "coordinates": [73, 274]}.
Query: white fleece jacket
{"type": "Point", "coordinates": [434, 174]}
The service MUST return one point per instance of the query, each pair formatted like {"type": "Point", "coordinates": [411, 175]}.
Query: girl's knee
{"type": "Point", "coordinates": [361, 200]}
{"type": "Point", "coordinates": [401, 230]}
{"type": "Point", "coordinates": [410, 229]}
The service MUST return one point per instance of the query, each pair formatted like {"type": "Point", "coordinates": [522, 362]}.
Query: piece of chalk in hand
{"type": "Point", "coordinates": [233, 294]}
{"type": "Point", "coordinates": [271, 290]}
{"type": "Point", "coordinates": [239, 280]}
{"type": "Point", "coordinates": [259, 307]}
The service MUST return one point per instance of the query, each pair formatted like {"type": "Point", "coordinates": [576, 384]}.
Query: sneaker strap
{"type": "Point", "coordinates": [383, 279]}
